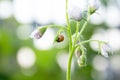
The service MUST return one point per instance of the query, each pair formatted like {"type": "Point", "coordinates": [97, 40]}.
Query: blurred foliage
{"type": "Point", "coordinates": [105, 2]}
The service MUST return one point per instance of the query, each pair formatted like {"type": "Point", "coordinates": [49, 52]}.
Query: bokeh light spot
{"type": "Point", "coordinates": [26, 57]}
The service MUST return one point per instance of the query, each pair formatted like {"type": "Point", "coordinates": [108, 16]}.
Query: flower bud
{"type": "Point", "coordinates": [77, 52]}
{"type": "Point", "coordinates": [38, 33]}
{"type": "Point", "coordinates": [60, 38]}
{"type": "Point", "coordinates": [75, 13]}
{"type": "Point", "coordinates": [82, 60]}
{"type": "Point", "coordinates": [93, 6]}
{"type": "Point", "coordinates": [106, 50]}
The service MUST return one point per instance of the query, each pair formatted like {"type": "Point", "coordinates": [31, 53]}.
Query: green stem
{"type": "Point", "coordinates": [84, 25]}
{"type": "Point", "coordinates": [71, 54]}
{"type": "Point", "coordinates": [82, 48]}
{"type": "Point", "coordinates": [51, 26]}
{"type": "Point", "coordinates": [83, 42]}
{"type": "Point", "coordinates": [86, 22]}
{"type": "Point", "coordinates": [99, 43]}
{"type": "Point", "coordinates": [77, 29]}
{"type": "Point", "coordinates": [93, 41]}
{"type": "Point", "coordinates": [69, 65]}
{"type": "Point", "coordinates": [71, 50]}
{"type": "Point", "coordinates": [68, 27]}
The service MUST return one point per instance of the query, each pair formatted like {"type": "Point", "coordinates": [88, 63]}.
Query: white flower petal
{"type": "Point", "coordinates": [75, 13]}
{"type": "Point", "coordinates": [35, 34]}
{"type": "Point", "coordinates": [106, 50]}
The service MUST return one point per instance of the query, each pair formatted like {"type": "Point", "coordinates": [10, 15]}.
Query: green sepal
{"type": "Point", "coordinates": [42, 30]}
{"type": "Point", "coordinates": [92, 10]}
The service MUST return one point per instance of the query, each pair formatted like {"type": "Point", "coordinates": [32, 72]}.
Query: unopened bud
{"type": "Point", "coordinates": [75, 13]}
{"type": "Point", "coordinates": [106, 50]}
{"type": "Point", "coordinates": [38, 33]}
{"type": "Point", "coordinates": [82, 60]}
{"type": "Point", "coordinates": [77, 52]}
{"type": "Point", "coordinates": [93, 6]}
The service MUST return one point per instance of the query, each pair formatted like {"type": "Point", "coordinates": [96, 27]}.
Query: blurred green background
{"type": "Point", "coordinates": [22, 58]}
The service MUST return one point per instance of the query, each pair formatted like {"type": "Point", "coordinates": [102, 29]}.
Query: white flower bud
{"type": "Point", "coordinates": [94, 5]}
{"type": "Point", "coordinates": [75, 13]}
{"type": "Point", "coordinates": [106, 50]}
{"type": "Point", "coordinates": [36, 34]}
